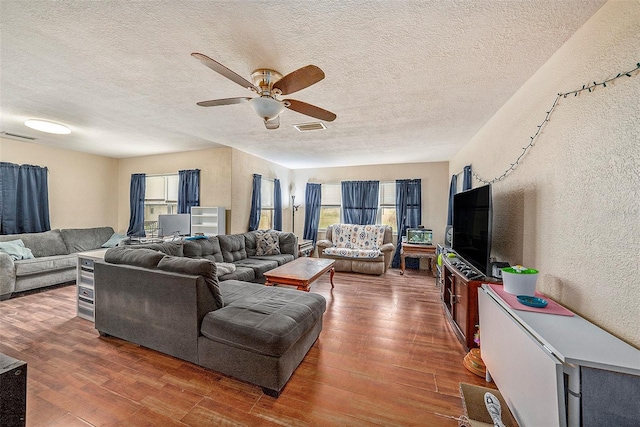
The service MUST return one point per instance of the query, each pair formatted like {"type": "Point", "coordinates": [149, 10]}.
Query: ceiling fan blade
{"type": "Point", "coordinates": [225, 101]}
{"type": "Point", "coordinates": [299, 79]}
{"type": "Point", "coordinates": [309, 110]}
{"type": "Point", "coordinates": [221, 69]}
{"type": "Point", "coordinates": [272, 124]}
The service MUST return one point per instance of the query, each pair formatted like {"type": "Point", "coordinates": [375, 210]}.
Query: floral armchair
{"type": "Point", "coordinates": [356, 248]}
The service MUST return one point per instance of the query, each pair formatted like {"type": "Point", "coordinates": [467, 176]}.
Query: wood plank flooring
{"type": "Point", "coordinates": [386, 356]}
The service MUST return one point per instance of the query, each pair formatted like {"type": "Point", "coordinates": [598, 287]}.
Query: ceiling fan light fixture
{"type": "Point", "coordinates": [266, 107]}
{"type": "Point", "coordinates": [48, 126]}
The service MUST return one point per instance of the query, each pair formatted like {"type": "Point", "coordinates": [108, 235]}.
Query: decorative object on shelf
{"type": "Point", "coordinates": [294, 209]}
{"type": "Point", "coordinates": [532, 301]}
{"type": "Point", "coordinates": [588, 87]}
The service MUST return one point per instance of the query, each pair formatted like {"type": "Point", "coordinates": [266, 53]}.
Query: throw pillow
{"type": "Point", "coordinates": [114, 240]}
{"type": "Point", "coordinates": [196, 267]}
{"type": "Point", "coordinates": [225, 268]}
{"type": "Point", "coordinates": [16, 250]}
{"type": "Point", "coordinates": [268, 244]}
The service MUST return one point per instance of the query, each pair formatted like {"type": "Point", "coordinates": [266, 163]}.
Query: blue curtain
{"type": "Point", "coordinates": [256, 202]}
{"type": "Point", "coordinates": [277, 205]}
{"type": "Point", "coordinates": [136, 204]}
{"type": "Point", "coordinates": [452, 192]}
{"type": "Point", "coordinates": [24, 199]}
{"type": "Point", "coordinates": [408, 215]}
{"type": "Point", "coordinates": [360, 201]}
{"type": "Point", "coordinates": [312, 201]}
{"type": "Point", "coordinates": [188, 190]}
{"type": "Point", "coordinates": [466, 178]}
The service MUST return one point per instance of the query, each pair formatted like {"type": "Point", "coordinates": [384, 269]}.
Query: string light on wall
{"type": "Point", "coordinates": [532, 139]}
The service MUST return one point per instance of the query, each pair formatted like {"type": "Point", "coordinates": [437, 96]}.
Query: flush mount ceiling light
{"type": "Point", "coordinates": [47, 126]}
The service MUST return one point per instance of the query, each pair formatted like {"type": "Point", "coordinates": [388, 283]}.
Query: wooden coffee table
{"type": "Point", "coordinates": [300, 272]}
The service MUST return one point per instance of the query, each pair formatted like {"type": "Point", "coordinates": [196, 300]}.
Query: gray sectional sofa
{"type": "Point", "coordinates": [54, 259]}
{"type": "Point", "coordinates": [179, 306]}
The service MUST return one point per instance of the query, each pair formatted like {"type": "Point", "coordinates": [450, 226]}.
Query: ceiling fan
{"type": "Point", "coordinates": [269, 85]}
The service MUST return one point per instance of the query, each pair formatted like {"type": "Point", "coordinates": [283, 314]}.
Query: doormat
{"type": "Point", "coordinates": [476, 411]}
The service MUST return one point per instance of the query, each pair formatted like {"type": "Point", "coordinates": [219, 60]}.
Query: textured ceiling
{"type": "Point", "coordinates": [410, 81]}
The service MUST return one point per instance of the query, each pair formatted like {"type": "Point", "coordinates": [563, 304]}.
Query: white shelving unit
{"type": "Point", "coordinates": [207, 220]}
{"type": "Point", "coordinates": [85, 283]}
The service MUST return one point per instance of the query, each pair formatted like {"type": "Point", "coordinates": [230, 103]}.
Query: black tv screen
{"type": "Point", "coordinates": [472, 220]}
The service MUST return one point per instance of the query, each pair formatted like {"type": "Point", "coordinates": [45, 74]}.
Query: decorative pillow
{"type": "Point", "coordinates": [268, 244]}
{"type": "Point", "coordinates": [196, 267]}
{"type": "Point", "coordinates": [16, 250]}
{"type": "Point", "coordinates": [114, 240]}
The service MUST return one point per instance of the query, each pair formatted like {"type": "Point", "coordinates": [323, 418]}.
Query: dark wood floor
{"type": "Point", "coordinates": [386, 356]}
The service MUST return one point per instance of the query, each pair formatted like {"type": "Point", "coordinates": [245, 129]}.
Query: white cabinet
{"type": "Point", "coordinates": [209, 221]}
{"type": "Point", "coordinates": [538, 362]}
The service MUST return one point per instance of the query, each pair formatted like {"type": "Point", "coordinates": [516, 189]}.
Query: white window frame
{"type": "Point", "coordinates": [167, 198]}
{"type": "Point", "coordinates": [267, 202]}
{"type": "Point", "coordinates": [389, 185]}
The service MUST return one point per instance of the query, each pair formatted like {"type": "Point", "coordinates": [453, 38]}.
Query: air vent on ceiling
{"type": "Point", "coordinates": [16, 136]}
{"type": "Point", "coordinates": [308, 127]}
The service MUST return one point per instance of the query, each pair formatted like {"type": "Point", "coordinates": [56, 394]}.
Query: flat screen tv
{"type": "Point", "coordinates": [472, 221]}
{"type": "Point", "coordinates": [169, 225]}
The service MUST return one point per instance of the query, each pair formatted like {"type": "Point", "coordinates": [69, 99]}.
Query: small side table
{"type": "Point", "coordinates": [305, 248]}
{"type": "Point", "coordinates": [411, 250]}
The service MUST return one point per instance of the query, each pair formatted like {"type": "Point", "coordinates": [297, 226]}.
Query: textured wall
{"type": "Point", "coordinates": [571, 208]}
{"type": "Point", "coordinates": [79, 193]}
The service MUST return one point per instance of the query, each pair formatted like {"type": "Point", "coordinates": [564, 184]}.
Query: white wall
{"type": "Point", "coordinates": [82, 187]}
{"type": "Point", "coordinates": [571, 209]}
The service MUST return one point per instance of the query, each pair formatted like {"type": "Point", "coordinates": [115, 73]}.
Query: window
{"type": "Point", "coordinates": [387, 201]}
{"type": "Point", "coordinates": [331, 200]}
{"type": "Point", "coordinates": [267, 191]}
{"type": "Point", "coordinates": [330, 210]}
{"type": "Point", "coordinates": [160, 198]}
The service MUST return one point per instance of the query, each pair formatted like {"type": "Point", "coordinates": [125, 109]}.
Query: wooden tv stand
{"type": "Point", "coordinates": [459, 295]}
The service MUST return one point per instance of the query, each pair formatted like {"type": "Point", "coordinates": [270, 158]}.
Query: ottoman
{"type": "Point", "coordinates": [261, 334]}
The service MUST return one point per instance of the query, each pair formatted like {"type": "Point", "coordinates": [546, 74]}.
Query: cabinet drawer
{"type": "Point", "coordinates": [86, 279]}
{"type": "Point", "coordinates": [85, 292]}
{"type": "Point", "coordinates": [86, 262]}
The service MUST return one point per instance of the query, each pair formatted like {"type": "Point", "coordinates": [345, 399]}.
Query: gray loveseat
{"type": "Point", "coordinates": [54, 259]}
{"type": "Point", "coordinates": [178, 306]}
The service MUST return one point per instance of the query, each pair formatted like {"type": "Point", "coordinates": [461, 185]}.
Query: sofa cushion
{"type": "Point", "coordinates": [244, 274]}
{"type": "Point", "coordinates": [268, 244]}
{"type": "Point", "coordinates": [261, 319]}
{"type": "Point", "coordinates": [250, 241]}
{"type": "Point", "coordinates": [353, 253]}
{"type": "Point", "coordinates": [203, 248]}
{"type": "Point", "coordinates": [280, 259]}
{"type": "Point", "coordinates": [167, 248]}
{"type": "Point", "coordinates": [28, 267]}
{"type": "Point", "coordinates": [16, 249]}
{"type": "Point", "coordinates": [259, 266]}
{"type": "Point", "coordinates": [85, 239]}
{"type": "Point", "coordinates": [195, 267]}
{"type": "Point", "coordinates": [47, 243]}
{"type": "Point", "coordinates": [341, 235]}
{"type": "Point", "coordinates": [140, 257]}
{"type": "Point", "coordinates": [233, 247]}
